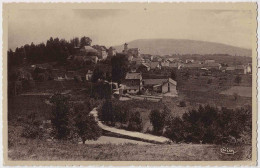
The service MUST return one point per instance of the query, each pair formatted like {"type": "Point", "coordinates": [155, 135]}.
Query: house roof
{"type": "Point", "coordinates": [88, 49]}
{"type": "Point", "coordinates": [239, 67]}
{"type": "Point", "coordinates": [133, 76]}
{"type": "Point", "coordinates": [146, 65]}
{"type": "Point", "coordinates": [193, 65]}
{"type": "Point", "coordinates": [153, 65]}
{"type": "Point", "coordinates": [230, 68]}
{"type": "Point", "coordinates": [158, 81]}
{"type": "Point", "coordinates": [212, 64]}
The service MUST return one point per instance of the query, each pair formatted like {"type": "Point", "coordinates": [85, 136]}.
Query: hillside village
{"type": "Point", "coordinates": [129, 91]}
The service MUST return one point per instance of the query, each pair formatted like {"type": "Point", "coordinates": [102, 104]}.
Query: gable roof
{"type": "Point", "coordinates": [153, 65]}
{"type": "Point", "coordinates": [133, 76]}
{"type": "Point", "coordinates": [159, 81]}
{"type": "Point", "coordinates": [230, 68]}
{"type": "Point", "coordinates": [88, 49]}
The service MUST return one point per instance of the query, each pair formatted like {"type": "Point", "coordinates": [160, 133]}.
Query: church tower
{"type": "Point", "coordinates": [125, 48]}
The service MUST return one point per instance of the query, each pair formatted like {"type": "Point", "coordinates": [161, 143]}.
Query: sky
{"type": "Point", "coordinates": [112, 27]}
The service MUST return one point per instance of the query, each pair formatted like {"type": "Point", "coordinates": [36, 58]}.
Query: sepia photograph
{"type": "Point", "coordinates": [89, 83]}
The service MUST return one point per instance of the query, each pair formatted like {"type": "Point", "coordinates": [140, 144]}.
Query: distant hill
{"type": "Point", "coordinates": [176, 46]}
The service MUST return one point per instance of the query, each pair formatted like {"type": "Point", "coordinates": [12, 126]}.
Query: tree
{"type": "Point", "coordinates": [238, 79]}
{"type": "Point", "coordinates": [85, 41]}
{"type": "Point", "coordinates": [158, 120]}
{"type": "Point", "coordinates": [119, 67]}
{"type": "Point", "coordinates": [106, 113]}
{"type": "Point", "coordinates": [87, 127]}
{"type": "Point", "coordinates": [135, 122]}
{"type": "Point", "coordinates": [97, 74]}
{"type": "Point", "coordinates": [59, 118]}
{"type": "Point", "coordinates": [173, 75]}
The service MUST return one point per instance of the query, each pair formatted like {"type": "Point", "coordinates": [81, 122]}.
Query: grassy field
{"type": "Point", "coordinates": [240, 90]}
{"type": "Point", "coordinates": [39, 150]}
{"type": "Point", "coordinates": [21, 106]}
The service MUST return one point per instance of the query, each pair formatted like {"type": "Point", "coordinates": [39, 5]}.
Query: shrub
{"type": "Point", "coordinates": [135, 122]}
{"type": "Point", "coordinates": [182, 104]}
{"type": "Point", "coordinates": [59, 118]}
{"type": "Point", "coordinates": [32, 128]}
{"type": "Point", "coordinates": [209, 124]}
{"type": "Point", "coordinates": [87, 127]}
{"type": "Point", "coordinates": [158, 120]}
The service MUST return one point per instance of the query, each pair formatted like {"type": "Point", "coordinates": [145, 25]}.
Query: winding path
{"type": "Point", "coordinates": [136, 135]}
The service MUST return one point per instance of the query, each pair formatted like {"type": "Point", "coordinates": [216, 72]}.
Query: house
{"type": "Point", "coordinates": [137, 60]}
{"type": "Point", "coordinates": [189, 61]}
{"type": "Point", "coordinates": [165, 64]}
{"type": "Point", "coordinates": [192, 66]}
{"type": "Point", "coordinates": [240, 69]}
{"type": "Point", "coordinates": [166, 85]}
{"type": "Point", "coordinates": [248, 68]}
{"type": "Point", "coordinates": [133, 82]}
{"type": "Point", "coordinates": [135, 52]}
{"type": "Point", "coordinates": [88, 50]}
{"type": "Point", "coordinates": [209, 61]}
{"type": "Point", "coordinates": [212, 65]}
{"type": "Point", "coordinates": [176, 65]}
{"type": "Point", "coordinates": [85, 59]}
{"type": "Point", "coordinates": [230, 69]}
{"type": "Point", "coordinates": [144, 67]}
{"type": "Point", "coordinates": [155, 65]}
{"type": "Point", "coordinates": [89, 75]}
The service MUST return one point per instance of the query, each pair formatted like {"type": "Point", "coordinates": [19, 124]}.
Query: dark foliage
{"type": "Point", "coordinates": [32, 128]}
{"type": "Point", "coordinates": [87, 127]}
{"type": "Point", "coordinates": [54, 50]}
{"type": "Point", "coordinates": [159, 119]}
{"type": "Point", "coordinates": [210, 125]}
{"type": "Point", "coordinates": [119, 67]}
{"type": "Point", "coordinates": [135, 122]}
{"type": "Point", "coordinates": [60, 113]}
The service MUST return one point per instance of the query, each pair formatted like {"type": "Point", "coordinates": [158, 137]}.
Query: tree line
{"type": "Point", "coordinates": [54, 49]}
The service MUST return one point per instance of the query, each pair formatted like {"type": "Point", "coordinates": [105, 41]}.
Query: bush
{"type": "Point", "coordinates": [211, 125]}
{"type": "Point", "coordinates": [135, 122]}
{"type": "Point", "coordinates": [158, 120]}
{"type": "Point", "coordinates": [182, 104]}
{"type": "Point", "coordinates": [87, 127]}
{"type": "Point", "coordinates": [59, 118]}
{"type": "Point", "coordinates": [32, 128]}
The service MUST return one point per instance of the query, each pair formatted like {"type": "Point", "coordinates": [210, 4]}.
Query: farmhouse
{"type": "Point", "coordinates": [166, 85]}
{"type": "Point", "coordinates": [133, 82]}
{"type": "Point", "coordinates": [155, 65]}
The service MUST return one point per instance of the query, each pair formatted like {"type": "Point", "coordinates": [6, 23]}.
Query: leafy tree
{"type": "Point", "coordinates": [107, 113]}
{"type": "Point", "coordinates": [60, 112]}
{"type": "Point", "coordinates": [119, 67]}
{"type": "Point", "coordinates": [87, 127]}
{"type": "Point", "coordinates": [97, 74]}
{"type": "Point", "coordinates": [135, 122]}
{"type": "Point", "coordinates": [85, 41]}
{"type": "Point", "coordinates": [158, 120]}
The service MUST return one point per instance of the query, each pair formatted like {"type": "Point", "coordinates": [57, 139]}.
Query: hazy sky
{"type": "Point", "coordinates": [114, 27]}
